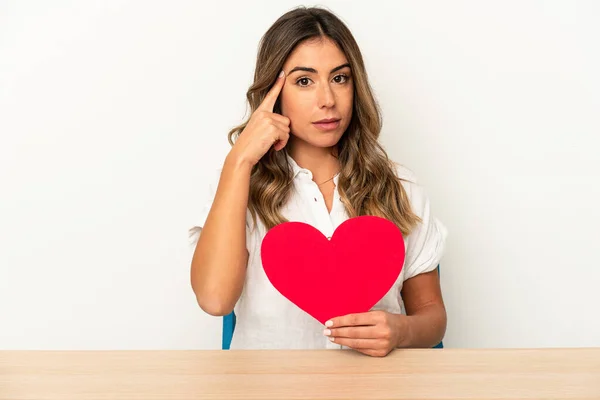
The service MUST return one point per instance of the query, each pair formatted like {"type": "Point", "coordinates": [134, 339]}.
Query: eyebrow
{"type": "Point", "coordinates": [307, 69]}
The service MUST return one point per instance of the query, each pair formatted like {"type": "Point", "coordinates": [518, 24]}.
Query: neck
{"type": "Point", "coordinates": [322, 162]}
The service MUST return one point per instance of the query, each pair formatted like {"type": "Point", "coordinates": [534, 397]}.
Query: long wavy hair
{"type": "Point", "coordinates": [368, 183]}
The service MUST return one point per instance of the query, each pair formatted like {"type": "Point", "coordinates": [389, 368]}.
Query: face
{"type": "Point", "coordinates": [318, 86]}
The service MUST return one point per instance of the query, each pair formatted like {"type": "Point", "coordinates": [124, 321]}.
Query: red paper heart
{"type": "Point", "coordinates": [347, 274]}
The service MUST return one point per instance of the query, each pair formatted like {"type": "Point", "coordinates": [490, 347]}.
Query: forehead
{"type": "Point", "coordinates": [314, 53]}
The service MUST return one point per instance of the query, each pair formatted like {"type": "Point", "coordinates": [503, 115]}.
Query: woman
{"type": "Point", "coordinates": [309, 153]}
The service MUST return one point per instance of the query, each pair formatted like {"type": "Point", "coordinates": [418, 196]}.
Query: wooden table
{"type": "Point", "coordinates": [298, 374]}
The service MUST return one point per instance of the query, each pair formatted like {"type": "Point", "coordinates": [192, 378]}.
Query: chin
{"type": "Point", "coordinates": [327, 140]}
{"type": "Point", "coordinates": [319, 138]}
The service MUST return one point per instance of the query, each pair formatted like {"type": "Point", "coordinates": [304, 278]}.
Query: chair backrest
{"type": "Point", "coordinates": [229, 327]}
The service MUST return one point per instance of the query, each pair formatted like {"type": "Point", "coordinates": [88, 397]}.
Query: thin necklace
{"type": "Point", "coordinates": [327, 180]}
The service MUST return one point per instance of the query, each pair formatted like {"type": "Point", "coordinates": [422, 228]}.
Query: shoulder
{"type": "Point", "coordinates": [414, 190]}
{"type": "Point", "coordinates": [417, 196]}
{"type": "Point", "coordinates": [404, 173]}
{"type": "Point", "coordinates": [425, 245]}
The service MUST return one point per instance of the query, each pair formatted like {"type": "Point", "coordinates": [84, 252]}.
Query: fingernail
{"type": "Point", "coordinates": [332, 339]}
{"type": "Point", "coordinates": [329, 323]}
{"type": "Point", "coordinates": [327, 332]}
{"type": "Point", "coordinates": [281, 74]}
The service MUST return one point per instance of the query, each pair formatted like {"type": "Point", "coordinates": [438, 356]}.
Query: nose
{"type": "Point", "coordinates": [326, 97]}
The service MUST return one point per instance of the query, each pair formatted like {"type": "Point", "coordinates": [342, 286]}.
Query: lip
{"type": "Point", "coordinates": [323, 121]}
{"type": "Point", "coordinates": [327, 124]}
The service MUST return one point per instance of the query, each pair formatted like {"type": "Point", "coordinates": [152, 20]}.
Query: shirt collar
{"type": "Point", "coordinates": [303, 172]}
{"type": "Point", "coordinates": [296, 168]}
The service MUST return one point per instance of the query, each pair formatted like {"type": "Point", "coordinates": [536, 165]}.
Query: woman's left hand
{"type": "Point", "coordinates": [375, 333]}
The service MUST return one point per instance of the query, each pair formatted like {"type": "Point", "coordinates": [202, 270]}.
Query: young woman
{"type": "Point", "coordinates": [309, 152]}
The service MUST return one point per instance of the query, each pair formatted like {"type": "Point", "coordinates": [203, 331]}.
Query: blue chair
{"type": "Point", "coordinates": [229, 327]}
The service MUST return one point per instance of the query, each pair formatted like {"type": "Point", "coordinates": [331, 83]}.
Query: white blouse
{"type": "Point", "coordinates": [265, 319]}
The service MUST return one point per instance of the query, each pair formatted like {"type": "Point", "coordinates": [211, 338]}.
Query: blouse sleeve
{"type": "Point", "coordinates": [425, 245]}
{"type": "Point", "coordinates": [200, 220]}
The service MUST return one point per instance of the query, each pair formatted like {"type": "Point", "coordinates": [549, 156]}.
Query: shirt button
{"type": "Point", "coordinates": [315, 199]}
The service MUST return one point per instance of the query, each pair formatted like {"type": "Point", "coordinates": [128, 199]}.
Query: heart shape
{"type": "Point", "coordinates": [327, 278]}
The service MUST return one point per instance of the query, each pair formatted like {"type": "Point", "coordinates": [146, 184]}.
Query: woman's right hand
{"type": "Point", "coordinates": [264, 129]}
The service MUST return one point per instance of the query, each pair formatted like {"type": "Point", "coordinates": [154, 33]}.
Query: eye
{"type": "Point", "coordinates": [340, 79]}
{"type": "Point", "coordinates": [344, 80]}
{"type": "Point", "coordinates": [303, 79]}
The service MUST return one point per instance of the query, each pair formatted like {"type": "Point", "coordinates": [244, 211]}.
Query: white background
{"type": "Point", "coordinates": [114, 117]}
